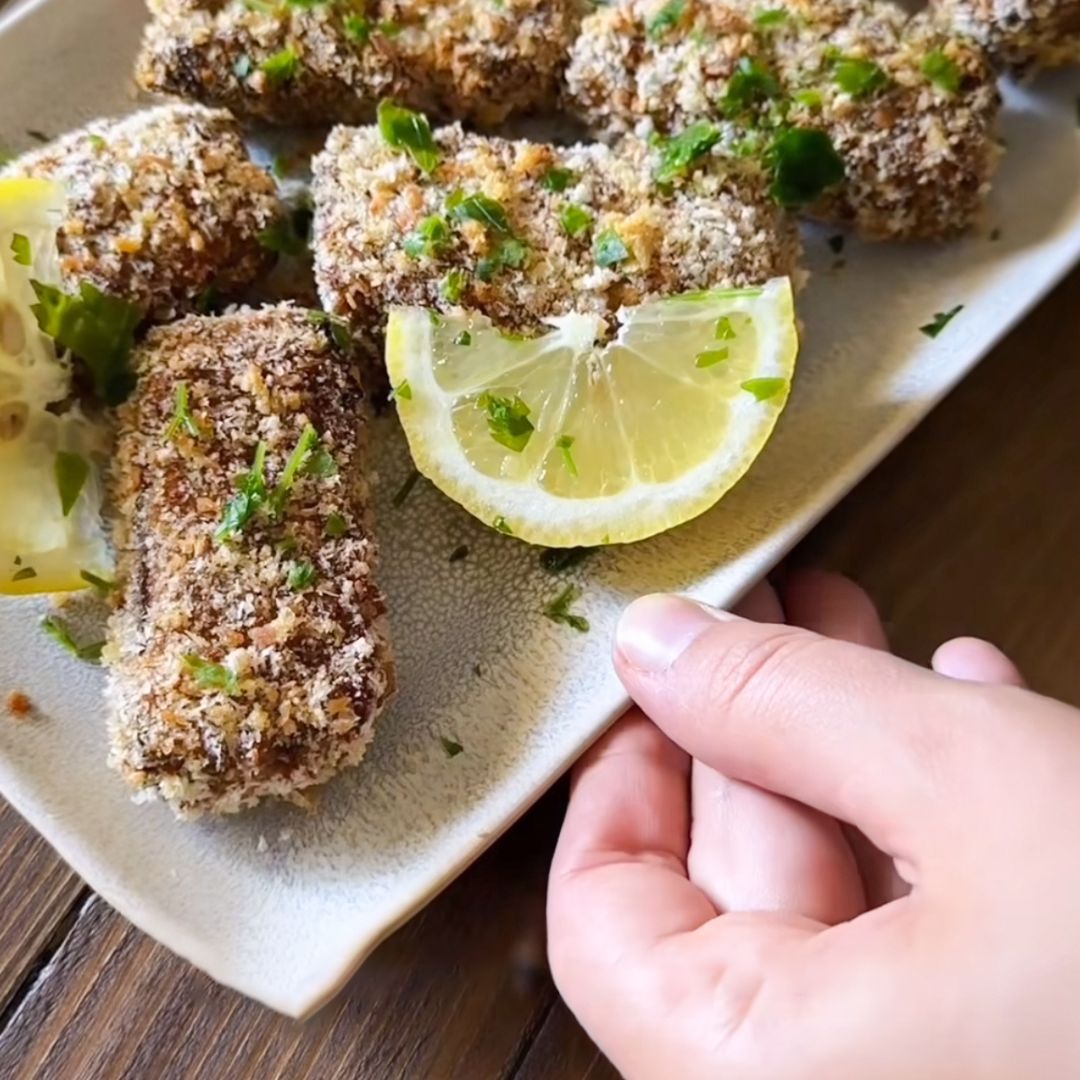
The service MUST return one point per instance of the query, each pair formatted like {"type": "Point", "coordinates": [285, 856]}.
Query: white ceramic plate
{"type": "Point", "coordinates": [284, 906]}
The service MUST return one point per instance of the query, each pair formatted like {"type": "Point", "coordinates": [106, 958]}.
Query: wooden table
{"type": "Point", "coordinates": [970, 527]}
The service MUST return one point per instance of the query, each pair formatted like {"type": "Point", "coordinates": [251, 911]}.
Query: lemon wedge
{"type": "Point", "coordinates": [563, 441]}
{"type": "Point", "coordinates": [51, 537]}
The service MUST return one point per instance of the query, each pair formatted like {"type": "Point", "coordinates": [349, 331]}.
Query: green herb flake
{"type": "Point", "coordinates": [429, 240]}
{"type": "Point", "coordinates": [765, 388]}
{"type": "Point", "coordinates": [724, 330]}
{"type": "Point", "coordinates": [302, 575]}
{"type": "Point", "coordinates": [464, 338]}
{"type": "Point", "coordinates": [281, 68]}
{"type": "Point", "coordinates": [305, 460]}
{"type": "Point", "coordinates": [59, 632]}
{"type": "Point", "coordinates": [338, 329]}
{"type": "Point", "coordinates": [769, 17]}
{"type": "Point", "coordinates": [404, 129]}
{"type": "Point", "coordinates": [20, 249]}
{"type": "Point", "coordinates": [405, 490]}
{"type": "Point", "coordinates": [459, 553]}
{"type": "Point", "coordinates": [25, 574]}
{"type": "Point", "coordinates": [71, 472]}
{"type": "Point", "coordinates": [557, 179]}
{"type": "Point", "coordinates": [182, 419]}
{"type": "Point", "coordinates": [508, 421]}
{"type": "Point", "coordinates": [940, 320]}
{"type": "Point", "coordinates": [336, 526]}
{"type": "Point", "coordinates": [564, 444]}
{"type": "Point", "coordinates": [710, 357]}
{"type": "Point", "coordinates": [500, 525]}
{"type": "Point", "coordinates": [211, 676]}
{"type": "Point", "coordinates": [681, 152]}
{"type": "Point", "coordinates": [560, 560]}
{"type": "Point", "coordinates": [942, 71]}
{"type": "Point", "coordinates": [97, 142]}
{"type": "Point", "coordinates": [810, 99]}
{"type": "Point", "coordinates": [452, 287]}
{"type": "Point", "coordinates": [403, 391]}
{"type": "Point", "coordinates": [97, 328]}
{"type": "Point", "coordinates": [558, 610]}
{"type": "Point", "coordinates": [858, 76]}
{"type": "Point", "coordinates": [451, 747]}
{"type": "Point", "coordinates": [358, 28]}
{"type": "Point", "coordinates": [99, 584]}
{"type": "Point", "coordinates": [804, 165]}
{"type": "Point", "coordinates": [487, 211]}
{"type": "Point", "coordinates": [610, 249]}
{"type": "Point", "coordinates": [251, 495]}
{"type": "Point", "coordinates": [575, 219]}
{"type": "Point", "coordinates": [667, 18]}
{"type": "Point", "coordinates": [751, 84]}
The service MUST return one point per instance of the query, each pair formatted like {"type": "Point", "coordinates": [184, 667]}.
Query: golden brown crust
{"type": "Point", "coordinates": [312, 665]}
{"type": "Point", "coordinates": [716, 227]}
{"type": "Point", "coordinates": [458, 59]}
{"type": "Point", "coordinates": [162, 205]}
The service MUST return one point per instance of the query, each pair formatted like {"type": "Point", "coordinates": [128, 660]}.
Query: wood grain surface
{"type": "Point", "coordinates": [969, 527]}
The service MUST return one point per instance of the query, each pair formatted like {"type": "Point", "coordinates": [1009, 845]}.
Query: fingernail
{"type": "Point", "coordinates": [656, 630]}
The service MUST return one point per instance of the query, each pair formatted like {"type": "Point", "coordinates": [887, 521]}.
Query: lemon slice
{"type": "Point", "coordinates": [563, 441]}
{"type": "Point", "coordinates": [50, 487]}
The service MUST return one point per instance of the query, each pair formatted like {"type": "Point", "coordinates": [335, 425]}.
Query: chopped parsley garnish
{"type": "Point", "coordinates": [724, 330]}
{"type": "Point", "coordinates": [804, 164]}
{"type": "Point", "coordinates": [281, 68]}
{"type": "Point", "coordinates": [679, 153]}
{"type": "Point", "coordinates": [942, 71]}
{"type": "Point", "coordinates": [765, 388]}
{"type": "Point", "coordinates": [770, 17]}
{"type": "Point", "coordinates": [102, 585]}
{"type": "Point", "coordinates": [451, 747]}
{"type": "Point", "coordinates": [302, 575]}
{"type": "Point", "coordinates": [71, 472]}
{"type": "Point", "coordinates": [564, 444]}
{"type": "Point", "coordinates": [336, 526]}
{"type": "Point", "coordinates": [211, 676]}
{"type": "Point", "coordinates": [508, 421]}
{"type": "Point", "coordinates": [59, 632]}
{"type": "Point", "coordinates": [610, 249]}
{"type": "Point", "coordinates": [97, 328]}
{"type": "Point", "coordinates": [403, 391]}
{"type": "Point", "coordinates": [182, 419]}
{"type": "Point", "coordinates": [559, 560]}
{"type": "Point", "coordinates": [500, 525]}
{"type": "Point", "coordinates": [309, 458]}
{"type": "Point", "coordinates": [510, 251]}
{"type": "Point", "coordinates": [464, 338]}
{"type": "Point", "coordinates": [97, 142]}
{"type": "Point", "coordinates": [337, 327]}
{"type": "Point", "coordinates": [710, 357]}
{"type": "Point", "coordinates": [410, 131]}
{"type": "Point", "coordinates": [358, 28]}
{"type": "Point", "coordinates": [810, 98]}
{"type": "Point", "coordinates": [858, 77]}
{"type": "Point", "coordinates": [459, 553]}
{"type": "Point", "coordinates": [559, 610]}
{"type": "Point", "coordinates": [557, 179]}
{"type": "Point", "coordinates": [250, 496]}
{"type": "Point", "coordinates": [405, 490]}
{"type": "Point", "coordinates": [25, 574]}
{"type": "Point", "coordinates": [452, 287]}
{"type": "Point", "coordinates": [487, 211]}
{"type": "Point", "coordinates": [750, 85]}
{"type": "Point", "coordinates": [575, 219]}
{"type": "Point", "coordinates": [429, 239]}
{"type": "Point", "coordinates": [940, 320]}
{"type": "Point", "coordinates": [20, 248]}
{"type": "Point", "coordinates": [667, 18]}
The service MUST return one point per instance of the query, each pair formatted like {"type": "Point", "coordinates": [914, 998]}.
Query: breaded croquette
{"type": "Point", "coordinates": [1018, 34]}
{"type": "Point", "coordinates": [248, 656]}
{"type": "Point", "coordinates": [162, 206]}
{"type": "Point", "coordinates": [909, 109]}
{"type": "Point", "coordinates": [332, 62]}
{"type": "Point", "coordinates": [523, 231]}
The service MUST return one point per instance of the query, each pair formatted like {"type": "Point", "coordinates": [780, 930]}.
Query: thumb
{"type": "Point", "coordinates": [856, 733]}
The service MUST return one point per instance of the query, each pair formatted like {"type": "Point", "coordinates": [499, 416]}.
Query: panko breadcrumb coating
{"type": "Point", "coordinates": [374, 206]}
{"type": "Point", "coordinates": [162, 206]}
{"type": "Point", "coordinates": [910, 109]}
{"type": "Point", "coordinates": [253, 665]}
{"type": "Point", "coordinates": [475, 60]}
{"type": "Point", "coordinates": [1019, 34]}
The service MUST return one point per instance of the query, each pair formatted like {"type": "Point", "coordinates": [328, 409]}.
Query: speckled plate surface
{"type": "Point", "coordinates": [283, 906]}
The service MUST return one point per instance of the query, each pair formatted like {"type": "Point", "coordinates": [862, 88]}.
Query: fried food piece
{"type": "Point", "coordinates": [162, 206]}
{"type": "Point", "coordinates": [910, 110]}
{"type": "Point", "coordinates": [1018, 34]}
{"type": "Point", "coordinates": [248, 655]}
{"type": "Point", "coordinates": [523, 231]}
{"type": "Point", "coordinates": [472, 60]}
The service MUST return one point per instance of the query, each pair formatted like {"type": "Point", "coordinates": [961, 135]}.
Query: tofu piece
{"type": "Point", "coordinates": [717, 226]}
{"type": "Point", "coordinates": [457, 59]}
{"type": "Point", "coordinates": [250, 665]}
{"type": "Point", "coordinates": [162, 206]}
{"type": "Point", "coordinates": [910, 107]}
{"type": "Point", "coordinates": [1019, 35]}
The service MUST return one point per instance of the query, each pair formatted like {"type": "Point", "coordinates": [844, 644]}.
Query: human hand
{"type": "Point", "coordinates": [709, 916]}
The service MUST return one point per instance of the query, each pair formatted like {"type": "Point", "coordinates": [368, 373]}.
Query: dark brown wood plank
{"type": "Point", "coordinates": [562, 1049]}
